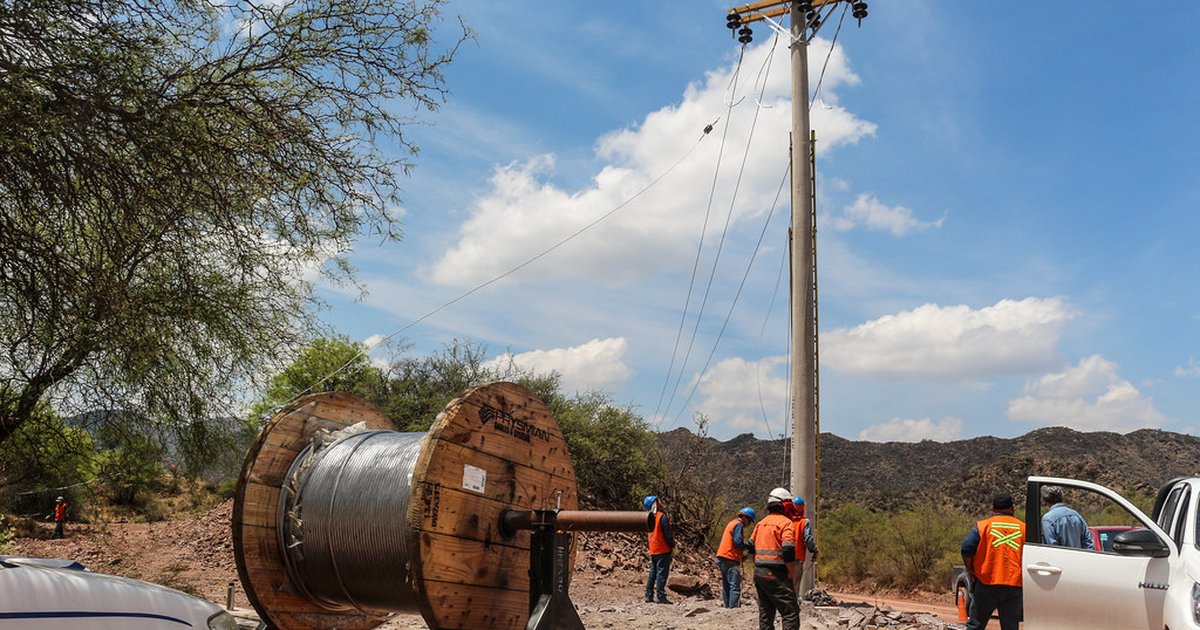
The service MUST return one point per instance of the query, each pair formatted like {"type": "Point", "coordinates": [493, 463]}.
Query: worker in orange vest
{"type": "Point", "coordinates": [661, 542]}
{"type": "Point", "coordinates": [774, 543]}
{"type": "Point", "coordinates": [60, 517]}
{"type": "Point", "coordinates": [806, 543]}
{"type": "Point", "coordinates": [733, 546]}
{"type": "Point", "coordinates": [991, 553]}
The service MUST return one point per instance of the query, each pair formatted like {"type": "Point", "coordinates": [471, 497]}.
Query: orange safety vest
{"type": "Point", "coordinates": [728, 549]}
{"type": "Point", "coordinates": [998, 559]}
{"type": "Point", "coordinates": [771, 535]}
{"type": "Point", "coordinates": [801, 548]}
{"type": "Point", "coordinates": [658, 540]}
{"type": "Point", "coordinates": [60, 511]}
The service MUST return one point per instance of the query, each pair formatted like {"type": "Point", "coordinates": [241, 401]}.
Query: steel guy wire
{"type": "Point", "coordinates": [729, 314]}
{"type": "Point", "coordinates": [700, 245]}
{"type": "Point", "coordinates": [717, 256]}
{"type": "Point", "coordinates": [832, 45]}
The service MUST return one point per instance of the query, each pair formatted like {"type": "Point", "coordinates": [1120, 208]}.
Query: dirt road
{"type": "Point", "coordinates": [196, 555]}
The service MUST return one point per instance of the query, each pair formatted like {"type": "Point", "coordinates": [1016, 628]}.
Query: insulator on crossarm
{"type": "Point", "coordinates": [860, 11]}
{"type": "Point", "coordinates": [745, 35]}
{"type": "Point", "coordinates": [732, 21]}
{"type": "Point", "coordinates": [804, 5]}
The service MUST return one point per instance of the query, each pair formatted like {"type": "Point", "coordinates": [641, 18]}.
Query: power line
{"type": "Point", "coordinates": [703, 234]}
{"type": "Point", "coordinates": [721, 242]}
{"type": "Point", "coordinates": [365, 351]}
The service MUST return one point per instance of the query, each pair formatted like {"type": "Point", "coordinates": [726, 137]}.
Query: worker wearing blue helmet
{"type": "Point", "coordinates": [734, 545]}
{"type": "Point", "coordinates": [661, 543]}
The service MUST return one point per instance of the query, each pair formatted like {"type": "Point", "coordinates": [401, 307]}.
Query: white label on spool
{"type": "Point", "coordinates": [474, 479]}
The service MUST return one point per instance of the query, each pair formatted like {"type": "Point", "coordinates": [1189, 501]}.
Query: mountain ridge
{"type": "Point", "coordinates": [962, 473]}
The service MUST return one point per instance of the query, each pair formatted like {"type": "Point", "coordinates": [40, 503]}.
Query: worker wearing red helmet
{"type": "Point", "coordinates": [733, 546]}
{"type": "Point", "coordinates": [802, 528]}
{"type": "Point", "coordinates": [774, 543]}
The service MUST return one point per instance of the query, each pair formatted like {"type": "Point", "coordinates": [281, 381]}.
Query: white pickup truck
{"type": "Point", "coordinates": [1150, 580]}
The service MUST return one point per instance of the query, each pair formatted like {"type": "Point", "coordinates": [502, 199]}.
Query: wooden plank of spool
{"type": "Point", "coordinates": [497, 446]}
{"type": "Point", "coordinates": [499, 427]}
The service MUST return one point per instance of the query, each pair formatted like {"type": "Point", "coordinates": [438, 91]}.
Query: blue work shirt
{"type": "Point", "coordinates": [739, 539]}
{"type": "Point", "coordinates": [1064, 527]}
{"type": "Point", "coordinates": [970, 544]}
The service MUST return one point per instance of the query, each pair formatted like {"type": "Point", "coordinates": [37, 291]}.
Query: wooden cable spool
{"type": "Point", "coordinates": [496, 447]}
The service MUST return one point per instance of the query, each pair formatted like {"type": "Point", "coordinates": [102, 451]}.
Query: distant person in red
{"type": "Point", "coordinates": [60, 517]}
{"type": "Point", "coordinates": [661, 543]}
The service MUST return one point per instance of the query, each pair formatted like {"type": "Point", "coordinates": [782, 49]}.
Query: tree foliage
{"type": "Point", "coordinates": [325, 364]}
{"type": "Point", "coordinates": [45, 458]}
{"type": "Point", "coordinates": [171, 174]}
{"type": "Point", "coordinates": [851, 542]}
{"type": "Point", "coordinates": [910, 549]}
{"type": "Point", "coordinates": [611, 448]}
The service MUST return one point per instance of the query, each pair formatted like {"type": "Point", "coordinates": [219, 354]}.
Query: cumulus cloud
{"type": "Point", "coordinates": [376, 349]}
{"type": "Point", "coordinates": [595, 365]}
{"type": "Point", "coordinates": [1191, 369]}
{"type": "Point", "coordinates": [907, 430]}
{"type": "Point", "coordinates": [951, 343]}
{"type": "Point", "coordinates": [735, 392]}
{"type": "Point", "coordinates": [869, 212]}
{"type": "Point", "coordinates": [1090, 396]}
{"type": "Point", "coordinates": [523, 211]}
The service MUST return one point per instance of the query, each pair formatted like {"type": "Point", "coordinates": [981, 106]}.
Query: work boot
{"type": "Point", "coordinates": [662, 599]}
{"type": "Point", "coordinates": [649, 599]}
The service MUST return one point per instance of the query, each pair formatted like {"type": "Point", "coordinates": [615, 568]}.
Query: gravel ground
{"type": "Point", "coordinates": [196, 555]}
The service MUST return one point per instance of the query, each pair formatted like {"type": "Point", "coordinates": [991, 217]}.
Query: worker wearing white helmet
{"type": "Point", "coordinates": [60, 517]}
{"type": "Point", "coordinates": [774, 544]}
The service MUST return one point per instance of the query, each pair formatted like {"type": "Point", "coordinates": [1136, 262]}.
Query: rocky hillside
{"type": "Point", "coordinates": [963, 473]}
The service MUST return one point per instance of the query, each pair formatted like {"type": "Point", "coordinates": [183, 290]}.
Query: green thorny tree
{"type": "Point", "coordinates": [173, 175]}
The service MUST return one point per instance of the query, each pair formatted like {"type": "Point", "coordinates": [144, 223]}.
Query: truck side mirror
{"type": "Point", "coordinates": [1140, 542]}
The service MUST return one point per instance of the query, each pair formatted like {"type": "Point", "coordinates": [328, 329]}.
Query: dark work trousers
{"type": "Point", "coordinates": [776, 592]}
{"type": "Point", "coordinates": [58, 530]}
{"type": "Point", "coordinates": [985, 599]}
{"type": "Point", "coordinates": [656, 583]}
{"type": "Point", "coordinates": [731, 582]}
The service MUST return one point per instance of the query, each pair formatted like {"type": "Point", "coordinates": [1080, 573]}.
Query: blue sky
{"type": "Point", "coordinates": [1006, 214]}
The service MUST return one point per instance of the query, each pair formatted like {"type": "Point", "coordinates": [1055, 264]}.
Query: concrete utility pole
{"type": "Point", "coordinates": [804, 335]}
{"type": "Point", "coordinates": [806, 18]}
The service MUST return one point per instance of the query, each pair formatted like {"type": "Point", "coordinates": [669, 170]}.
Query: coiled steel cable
{"type": "Point", "coordinates": [343, 525]}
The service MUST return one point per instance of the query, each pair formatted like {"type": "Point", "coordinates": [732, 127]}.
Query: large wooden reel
{"type": "Point", "coordinates": [497, 446]}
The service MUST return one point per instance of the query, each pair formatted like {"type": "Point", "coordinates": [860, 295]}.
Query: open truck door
{"type": "Point", "coordinates": [1067, 588]}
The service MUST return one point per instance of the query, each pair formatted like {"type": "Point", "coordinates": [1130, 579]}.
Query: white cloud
{"type": "Point", "coordinates": [1191, 369]}
{"type": "Point", "coordinates": [376, 349]}
{"type": "Point", "coordinates": [873, 214]}
{"type": "Point", "coordinates": [595, 365]}
{"type": "Point", "coordinates": [523, 212]}
{"type": "Point", "coordinates": [906, 430]}
{"type": "Point", "coordinates": [951, 343]}
{"type": "Point", "coordinates": [1090, 396]}
{"type": "Point", "coordinates": [736, 392]}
